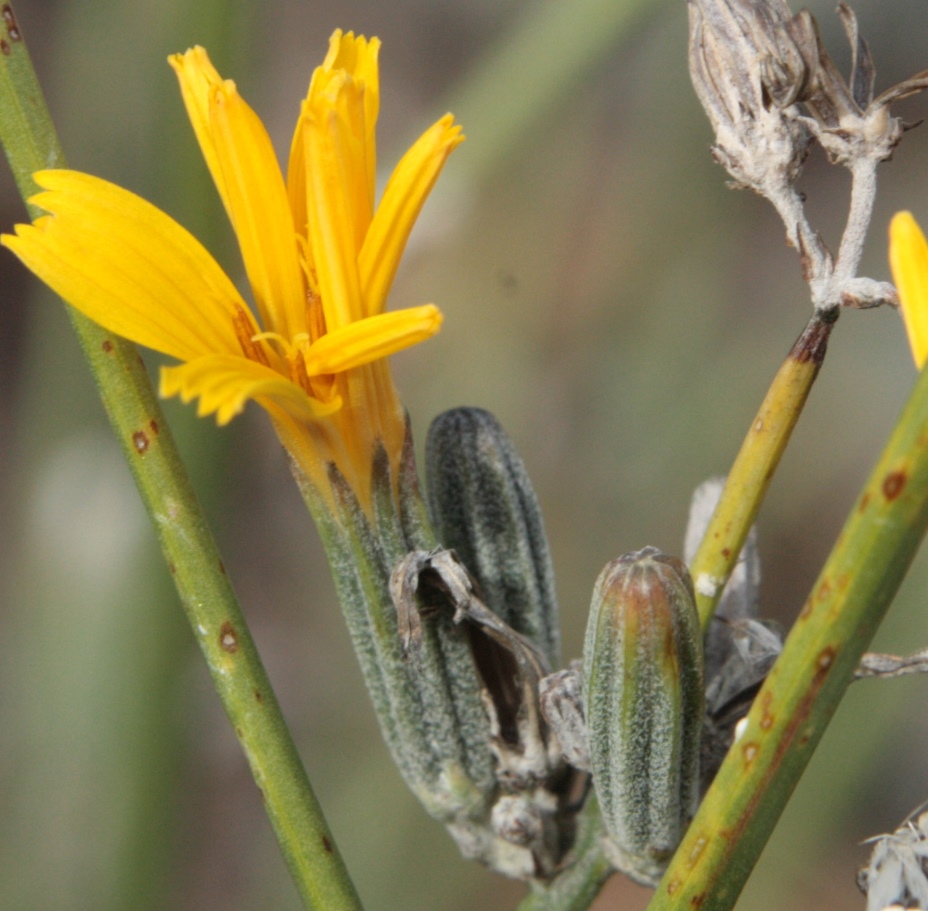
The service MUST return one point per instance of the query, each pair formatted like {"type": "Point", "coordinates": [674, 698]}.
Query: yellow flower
{"type": "Point", "coordinates": [908, 257]}
{"type": "Point", "coordinates": [319, 258]}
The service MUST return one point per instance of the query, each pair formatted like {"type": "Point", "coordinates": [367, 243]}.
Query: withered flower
{"type": "Point", "coordinates": [844, 116]}
{"type": "Point", "coordinates": [747, 70]}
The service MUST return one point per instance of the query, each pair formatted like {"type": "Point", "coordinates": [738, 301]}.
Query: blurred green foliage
{"type": "Point", "coordinates": [605, 295]}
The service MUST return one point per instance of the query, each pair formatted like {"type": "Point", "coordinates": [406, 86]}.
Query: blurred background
{"type": "Point", "coordinates": [618, 308]}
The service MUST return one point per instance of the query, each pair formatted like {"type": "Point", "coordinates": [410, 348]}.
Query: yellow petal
{"type": "Point", "coordinates": [197, 76]}
{"type": "Point", "coordinates": [296, 187]}
{"type": "Point", "coordinates": [908, 257]}
{"type": "Point", "coordinates": [356, 57]}
{"type": "Point", "coordinates": [225, 383]}
{"type": "Point", "coordinates": [406, 192]}
{"type": "Point", "coordinates": [260, 211]}
{"type": "Point", "coordinates": [371, 339]}
{"type": "Point", "coordinates": [359, 58]}
{"type": "Point", "coordinates": [128, 266]}
{"type": "Point", "coordinates": [332, 190]}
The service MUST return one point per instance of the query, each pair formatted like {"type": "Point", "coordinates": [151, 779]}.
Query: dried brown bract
{"type": "Point", "coordinates": [845, 117]}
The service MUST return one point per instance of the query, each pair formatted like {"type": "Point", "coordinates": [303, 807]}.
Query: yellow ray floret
{"type": "Point", "coordinates": [319, 256]}
{"type": "Point", "coordinates": [908, 256]}
{"type": "Point", "coordinates": [128, 266]}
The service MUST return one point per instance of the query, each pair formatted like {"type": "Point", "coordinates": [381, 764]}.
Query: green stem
{"type": "Point", "coordinates": [30, 142]}
{"type": "Point", "coordinates": [755, 464]}
{"type": "Point", "coordinates": [789, 716]}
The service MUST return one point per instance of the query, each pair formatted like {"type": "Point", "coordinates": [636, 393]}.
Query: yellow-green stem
{"type": "Point", "coordinates": [755, 464]}
{"type": "Point", "coordinates": [30, 143]}
{"type": "Point", "coordinates": [789, 716]}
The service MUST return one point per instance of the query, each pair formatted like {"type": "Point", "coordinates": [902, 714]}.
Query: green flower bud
{"type": "Point", "coordinates": [484, 508]}
{"type": "Point", "coordinates": [644, 702]}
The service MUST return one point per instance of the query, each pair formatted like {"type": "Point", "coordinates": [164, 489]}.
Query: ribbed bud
{"type": "Point", "coordinates": [644, 703]}
{"type": "Point", "coordinates": [484, 508]}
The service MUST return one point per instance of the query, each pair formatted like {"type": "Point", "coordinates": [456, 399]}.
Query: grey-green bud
{"type": "Point", "coordinates": [484, 508]}
{"type": "Point", "coordinates": [644, 703]}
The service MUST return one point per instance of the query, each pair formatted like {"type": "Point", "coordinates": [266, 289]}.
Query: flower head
{"type": "Point", "coordinates": [908, 256]}
{"type": "Point", "coordinates": [319, 256]}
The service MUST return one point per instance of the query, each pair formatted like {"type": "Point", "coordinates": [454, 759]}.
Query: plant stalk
{"type": "Point", "coordinates": [790, 714]}
{"type": "Point", "coordinates": [30, 142]}
{"type": "Point", "coordinates": [756, 463]}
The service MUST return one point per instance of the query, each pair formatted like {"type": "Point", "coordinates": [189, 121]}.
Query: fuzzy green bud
{"type": "Point", "coordinates": [644, 703]}
{"type": "Point", "coordinates": [484, 508]}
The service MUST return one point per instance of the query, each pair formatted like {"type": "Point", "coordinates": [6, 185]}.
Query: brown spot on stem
{"type": "Point", "coordinates": [699, 845]}
{"type": "Point", "coordinates": [327, 845]}
{"type": "Point", "coordinates": [140, 442]}
{"type": "Point", "coordinates": [726, 552]}
{"type": "Point", "coordinates": [864, 502]}
{"type": "Point", "coordinates": [258, 697]}
{"type": "Point", "coordinates": [812, 344]}
{"type": "Point", "coordinates": [824, 591]}
{"type": "Point", "coordinates": [172, 569]}
{"type": "Point", "coordinates": [893, 484]}
{"type": "Point", "coordinates": [228, 641]}
{"type": "Point", "coordinates": [796, 732]}
{"type": "Point", "coordinates": [222, 567]}
{"type": "Point", "coordinates": [4, 47]}
{"type": "Point", "coordinates": [9, 20]}
{"type": "Point", "coordinates": [155, 429]}
{"type": "Point", "coordinates": [749, 751]}
{"type": "Point", "coordinates": [766, 721]}
{"type": "Point", "coordinates": [107, 346]}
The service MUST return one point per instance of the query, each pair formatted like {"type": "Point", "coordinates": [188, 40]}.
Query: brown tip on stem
{"type": "Point", "coordinates": [812, 344]}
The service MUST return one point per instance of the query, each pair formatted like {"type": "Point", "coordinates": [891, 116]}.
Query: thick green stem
{"type": "Point", "coordinates": [789, 716]}
{"type": "Point", "coordinates": [215, 616]}
{"type": "Point", "coordinates": [755, 464]}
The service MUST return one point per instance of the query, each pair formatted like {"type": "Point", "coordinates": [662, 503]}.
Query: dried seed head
{"type": "Point", "coordinates": [748, 69]}
{"type": "Point", "coordinates": [846, 119]}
